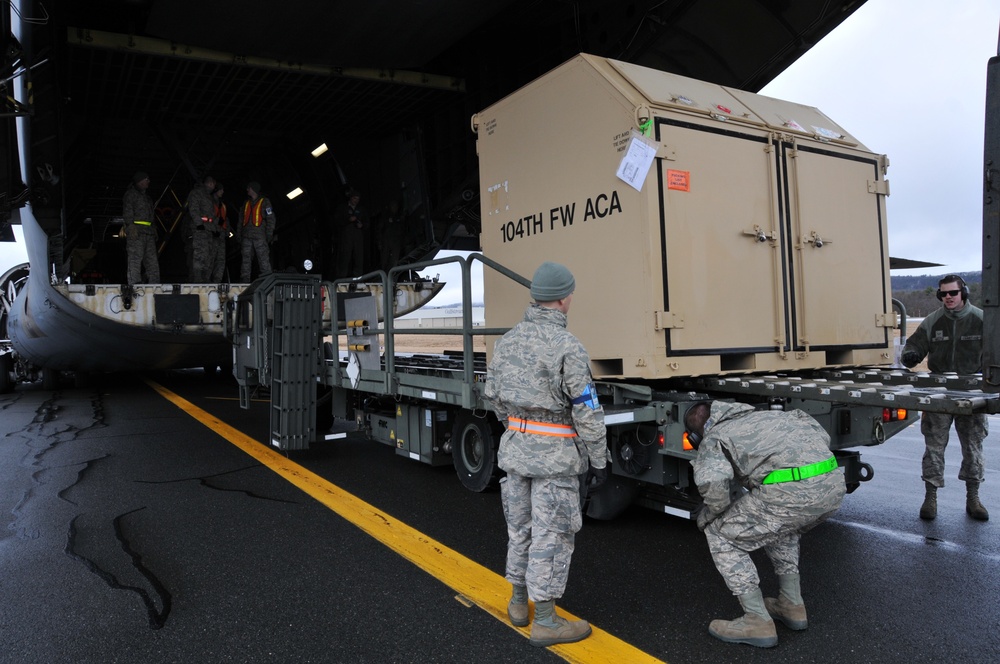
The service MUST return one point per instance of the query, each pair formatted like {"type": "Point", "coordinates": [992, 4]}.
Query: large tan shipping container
{"type": "Point", "coordinates": [756, 242]}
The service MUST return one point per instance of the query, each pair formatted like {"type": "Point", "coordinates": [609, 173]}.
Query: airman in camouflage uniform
{"type": "Point", "coordinates": [540, 386]}
{"type": "Point", "coordinates": [140, 231]}
{"type": "Point", "coordinates": [222, 220]}
{"type": "Point", "coordinates": [952, 339]}
{"type": "Point", "coordinates": [256, 232]}
{"type": "Point", "coordinates": [201, 209]}
{"type": "Point", "coordinates": [754, 449]}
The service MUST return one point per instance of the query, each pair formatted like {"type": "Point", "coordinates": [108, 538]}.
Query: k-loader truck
{"type": "Point", "coordinates": [726, 245]}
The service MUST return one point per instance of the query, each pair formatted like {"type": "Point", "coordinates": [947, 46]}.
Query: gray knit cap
{"type": "Point", "coordinates": [551, 282]}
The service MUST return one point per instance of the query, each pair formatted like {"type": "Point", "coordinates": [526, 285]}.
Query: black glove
{"type": "Point", "coordinates": [596, 477]}
{"type": "Point", "coordinates": [910, 358]}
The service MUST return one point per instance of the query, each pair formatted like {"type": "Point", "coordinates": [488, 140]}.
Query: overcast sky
{"type": "Point", "coordinates": [908, 79]}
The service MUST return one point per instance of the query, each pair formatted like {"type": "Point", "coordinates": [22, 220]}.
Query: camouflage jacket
{"type": "Point", "coordinates": [746, 445]}
{"type": "Point", "coordinates": [953, 340]}
{"type": "Point", "coordinates": [138, 206]}
{"type": "Point", "coordinates": [540, 372]}
{"type": "Point", "coordinates": [201, 204]}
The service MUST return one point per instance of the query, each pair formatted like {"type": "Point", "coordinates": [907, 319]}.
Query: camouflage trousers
{"type": "Point", "coordinates": [543, 516]}
{"type": "Point", "coordinates": [754, 522]}
{"type": "Point", "coordinates": [254, 244]}
{"type": "Point", "coordinates": [972, 430]}
{"type": "Point", "coordinates": [219, 260]}
{"type": "Point", "coordinates": [202, 256]}
{"type": "Point", "coordinates": [140, 246]}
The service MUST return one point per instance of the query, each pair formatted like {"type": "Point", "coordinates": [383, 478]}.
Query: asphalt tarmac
{"type": "Point", "coordinates": [141, 529]}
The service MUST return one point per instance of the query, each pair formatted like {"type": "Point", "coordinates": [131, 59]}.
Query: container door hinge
{"type": "Point", "coordinates": [666, 152]}
{"type": "Point", "coordinates": [887, 320]}
{"type": "Point", "coordinates": [664, 320]}
{"type": "Point", "coordinates": [878, 187]}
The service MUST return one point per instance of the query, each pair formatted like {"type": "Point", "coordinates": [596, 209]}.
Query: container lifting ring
{"type": "Point", "coordinates": [642, 115]}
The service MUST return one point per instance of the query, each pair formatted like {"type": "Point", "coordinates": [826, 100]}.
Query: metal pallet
{"type": "Point", "coordinates": [887, 388]}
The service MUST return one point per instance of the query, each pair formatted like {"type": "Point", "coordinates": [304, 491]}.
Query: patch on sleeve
{"type": "Point", "coordinates": [588, 398]}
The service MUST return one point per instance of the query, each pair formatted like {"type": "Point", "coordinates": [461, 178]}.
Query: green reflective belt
{"type": "Point", "coordinates": [142, 223]}
{"type": "Point", "coordinates": [800, 473]}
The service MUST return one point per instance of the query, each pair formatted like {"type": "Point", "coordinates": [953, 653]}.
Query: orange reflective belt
{"type": "Point", "coordinates": [541, 428]}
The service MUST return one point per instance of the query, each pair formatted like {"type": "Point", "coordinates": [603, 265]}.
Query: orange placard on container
{"type": "Point", "coordinates": [679, 180]}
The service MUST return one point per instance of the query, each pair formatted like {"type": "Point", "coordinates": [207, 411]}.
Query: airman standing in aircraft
{"type": "Point", "coordinates": [140, 233]}
{"type": "Point", "coordinates": [352, 223]}
{"type": "Point", "coordinates": [793, 482]}
{"type": "Point", "coordinates": [201, 209]}
{"type": "Point", "coordinates": [221, 220]}
{"type": "Point", "coordinates": [256, 232]}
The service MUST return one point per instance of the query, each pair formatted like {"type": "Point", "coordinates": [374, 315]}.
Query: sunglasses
{"type": "Point", "coordinates": [951, 293]}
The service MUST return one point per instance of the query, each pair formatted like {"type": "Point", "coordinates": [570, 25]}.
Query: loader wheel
{"type": "Point", "coordinates": [474, 451]}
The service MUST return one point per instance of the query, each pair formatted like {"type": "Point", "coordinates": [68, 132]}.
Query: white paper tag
{"type": "Point", "coordinates": [637, 160]}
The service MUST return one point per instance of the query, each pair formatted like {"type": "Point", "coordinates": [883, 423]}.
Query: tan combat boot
{"type": "Point", "coordinates": [549, 629]}
{"type": "Point", "coordinates": [929, 509]}
{"type": "Point", "coordinates": [755, 628]}
{"type": "Point", "coordinates": [788, 607]}
{"type": "Point", "coordinates": [517, 608]}
{"type": "Point", "coordinates": [973, 507]}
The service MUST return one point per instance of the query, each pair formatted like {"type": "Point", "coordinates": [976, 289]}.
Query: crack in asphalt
{"type": "Point", "coordinates": [157, 608]}
{"type": "Point", "coordinates": [84, 467]}
{"type": "Point", "coordinates": [42, 436]}
{"type": "Point", "coordinates": [9, 400]}
{"type": "Point", "coordinates": [52, 474]}
{"type": "Point", "coordinates": [46, 413]}
{"type": "Point", "coordinates": [204, 480]}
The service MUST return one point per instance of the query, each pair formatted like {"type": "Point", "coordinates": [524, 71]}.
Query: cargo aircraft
{"type": "Point", "coordinates": [310, 99]}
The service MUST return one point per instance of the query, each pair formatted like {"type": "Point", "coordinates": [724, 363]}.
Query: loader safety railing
{"type": "Point", "coordinates": [395, 382]}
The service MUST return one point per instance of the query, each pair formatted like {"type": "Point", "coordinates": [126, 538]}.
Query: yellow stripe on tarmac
{"type": "Point", "coordinates": [486, 589]}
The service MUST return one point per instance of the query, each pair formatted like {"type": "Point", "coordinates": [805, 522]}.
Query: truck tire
{"type": "Point", "coordinates": [474, 451]}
